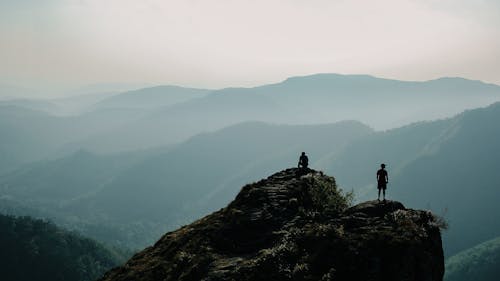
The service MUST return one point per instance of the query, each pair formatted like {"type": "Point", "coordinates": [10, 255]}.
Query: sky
{"type": "Point", "coordinates": [62, 44]}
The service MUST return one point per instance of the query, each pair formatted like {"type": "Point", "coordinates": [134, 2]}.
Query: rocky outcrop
{"type": "Point", "coordinates": [295, 225]}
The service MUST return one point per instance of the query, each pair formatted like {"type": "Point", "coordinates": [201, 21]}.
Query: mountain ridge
{"type": "Point", "coordinates": [295, 225]}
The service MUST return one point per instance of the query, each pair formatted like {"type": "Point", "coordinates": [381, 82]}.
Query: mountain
{"type": "Point", "coordinates": [33, 104]}
{"type": "Point", "coordinates": [449, 166]}
{"type": "Point", "coordinates": [481, 263]}
{"type": "Point", "coordinates": [460, 175]}
{"type": "Point", "coordinates": [202, 174]}
{"type": "Point", "coordinates": [438, 153]}
{"type": "Point", "coordinates": [167, 115]}
{"type": "Point", "coordinates": [152, 97]}
{"type": "Point", "coordinates": [79, 104]}
{"type": "Point", "coordinates": [35, 129]}
{"type": "Point", "coordinates": [223, 159]}
{"type": "Point", "coordinates": [316, 99]}
{"type": "Point", "coordinates": [170, 186]}
{"type": "Point", "coordinates": [26, 135]}
{"type": "Point", "coordinates": [295, 225]}
{"type": "Point", "coordinates": [49, 189]}
{"type": "Point", "coordinates": [356, 165]}
{"type": "Point", "coordinates": [38, 250]}
{"type": "Point", "coordinates": [62, 180]}
{"type": "Point", "coordinates": [30, 135]}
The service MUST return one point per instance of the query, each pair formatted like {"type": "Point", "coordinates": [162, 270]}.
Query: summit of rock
{"type": "Point", "coordinates": [296, 225]}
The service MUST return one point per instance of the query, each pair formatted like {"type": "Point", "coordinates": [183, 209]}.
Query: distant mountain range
{"type": "Point", "coordinates": [316, 99]}
{"type": "Point", "coordinates": [166, 115]}
{"type": "Point", "coordinates": [449, 166]}
{"type": "Point", "coordinates": [153, 97]}
{"type": "Point", "coordinates": [172, 185]}
{"type": "Point", "coordinates": [180, 153]}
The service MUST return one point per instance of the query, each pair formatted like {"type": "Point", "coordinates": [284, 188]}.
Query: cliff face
{"type": "Point", "coordinates": [295, 226]}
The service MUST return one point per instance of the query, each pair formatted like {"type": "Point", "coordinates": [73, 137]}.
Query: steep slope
{"type": "Point", "coordinates": [460, 175]}
{"type": "Point", "coordinates": [450, 166]}
{"type": "Point", "coordinates": [355, 166]}
{"type": "Point", "coordinates": [480, 263]}
{"type": "Point", "coordinates": [38, 250]}
{"type": "Point", "coordinates": [294, 225]}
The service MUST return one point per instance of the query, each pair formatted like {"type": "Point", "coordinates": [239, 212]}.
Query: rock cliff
{"type": "Point", "coordinates": [296, 225]}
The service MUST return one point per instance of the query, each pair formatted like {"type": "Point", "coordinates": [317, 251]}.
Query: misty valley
{"type": "Point", "coordinates": [101, 177]}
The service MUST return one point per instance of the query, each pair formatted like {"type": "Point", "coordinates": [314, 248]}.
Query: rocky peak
{"type": "Point", "coordinates": [295, 225]}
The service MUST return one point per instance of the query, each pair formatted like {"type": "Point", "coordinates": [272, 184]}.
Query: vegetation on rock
{"type": "Point", "coordinates": [296, 225]}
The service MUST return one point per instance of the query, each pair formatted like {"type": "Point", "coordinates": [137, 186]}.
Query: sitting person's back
{"type": "Point", "coordinates": [303, 161]}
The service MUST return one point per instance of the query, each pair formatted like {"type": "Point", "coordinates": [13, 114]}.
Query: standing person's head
{"type": "Point", "coordinates": [382, 166]}
{"type": "Point", "coordinates": [303, 153]}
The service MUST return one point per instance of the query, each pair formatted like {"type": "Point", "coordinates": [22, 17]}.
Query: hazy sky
{"type": "Point", "coordinates": [219, 43]}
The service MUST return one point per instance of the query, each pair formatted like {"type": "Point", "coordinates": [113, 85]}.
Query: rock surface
{"type": "Point", "coordinates": [294, 225]}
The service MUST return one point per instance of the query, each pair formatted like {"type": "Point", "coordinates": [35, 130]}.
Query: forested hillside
{"type": "Point", "coordinates": [481, 263]}
{"type": "Point", "coordinates": [33, 249]}
{"type": "Point", "coordinates": [449, 166]}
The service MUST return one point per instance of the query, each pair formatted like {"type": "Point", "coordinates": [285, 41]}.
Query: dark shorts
{"type": "Point", "coordinates": [382, 185]}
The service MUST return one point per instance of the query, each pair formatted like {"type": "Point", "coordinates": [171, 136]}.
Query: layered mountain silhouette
{"type": "Point", "coordinates": [153, 97]}
{"type": "Point", "coordinates": [80, 175]}
{"type": "Point", "coordinates": [30, 135]}
{"type": "Point", "coordinates": [175, 154]}
{"type": "Point", "coordinates": [166, 115]}
{"type": "Point", "coordinates": [315, 99]}
{"type": "Point", "coordinates": [172, 185]}
{"type": "Point", "coordinates": [295, 225]}
{"type": "Point", "coordinates": [448, 166]}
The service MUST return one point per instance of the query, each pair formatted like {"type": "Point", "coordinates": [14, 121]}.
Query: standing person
{"type": "Point", "coordinates": [303, 161]}
{"type": "Point", "coordinates": [382, 180]}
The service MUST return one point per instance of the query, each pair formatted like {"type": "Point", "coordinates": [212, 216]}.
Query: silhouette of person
{"type": "Point", "coordinates": [382, 180]}
{"type": "Point", "coordinates": [303, 161]}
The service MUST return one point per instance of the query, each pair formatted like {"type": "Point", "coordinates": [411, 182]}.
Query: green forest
{"type": "Point", "coordinates": [33, 249]}
{"type": "Point", "coordinates": [481, 262]}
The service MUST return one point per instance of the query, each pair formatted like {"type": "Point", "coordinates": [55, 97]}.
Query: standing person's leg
{"type": "Point", "coordinates": [378, 194]}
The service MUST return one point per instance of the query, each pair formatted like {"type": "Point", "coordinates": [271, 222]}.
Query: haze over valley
{"type": "Point", "coordinates": [167, 134]}
{"type": "Point", "coordinates": [176, 153]}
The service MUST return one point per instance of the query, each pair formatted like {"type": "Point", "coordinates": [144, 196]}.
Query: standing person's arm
{"type": "Point", "coordinates": [386, 177]}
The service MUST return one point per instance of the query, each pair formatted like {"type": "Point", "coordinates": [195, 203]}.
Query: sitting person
{"type": "Point", "coordinates": [303, 161]}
